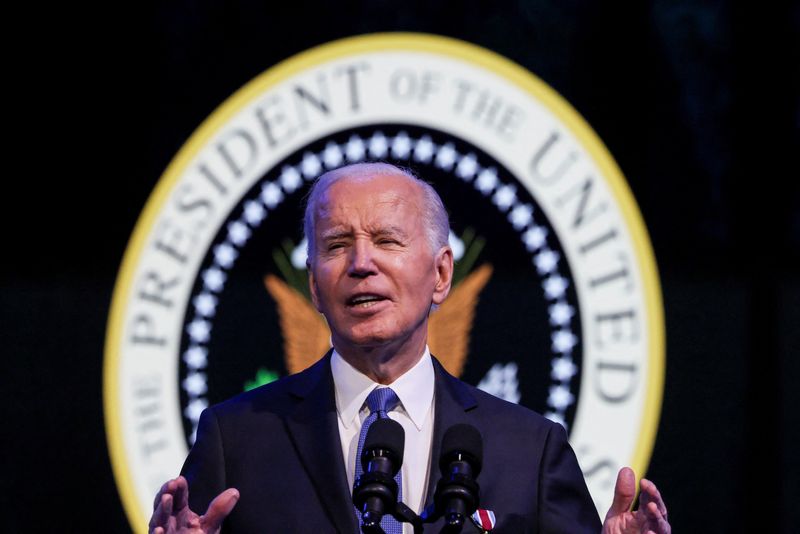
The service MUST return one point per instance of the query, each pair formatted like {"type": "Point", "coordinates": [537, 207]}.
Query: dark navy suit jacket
{"type": "Point", "coordinates": [279, 446]}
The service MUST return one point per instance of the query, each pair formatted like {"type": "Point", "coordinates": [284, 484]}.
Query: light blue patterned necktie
{"type": "Point", "coordinates": [380, 401]}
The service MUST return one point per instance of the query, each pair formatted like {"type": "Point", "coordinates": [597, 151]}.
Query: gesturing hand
{"type": "Point", "coordinates": [650, 518]}
{"type": "Point", "coordinates": [171, 513]}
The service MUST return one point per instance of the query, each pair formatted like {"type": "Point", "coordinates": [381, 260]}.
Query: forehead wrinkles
{"type": "Point", "coordinates": [387, 209]}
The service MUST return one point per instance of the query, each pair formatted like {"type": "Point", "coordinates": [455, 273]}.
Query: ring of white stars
{"type": "Point", "coordinates": [467, 168]}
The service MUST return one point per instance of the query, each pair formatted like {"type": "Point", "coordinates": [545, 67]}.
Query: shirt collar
{"type": "Point", "coordinates": [414, 389]}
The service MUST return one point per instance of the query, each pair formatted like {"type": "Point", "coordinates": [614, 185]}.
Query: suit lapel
{"type": "Point", "coordinates": [452, 402]}
{"type": "Point", "coordinates": [315, 433]}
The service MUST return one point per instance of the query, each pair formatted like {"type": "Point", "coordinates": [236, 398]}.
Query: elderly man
{"type": "Point", "coordinates": [286, 452]}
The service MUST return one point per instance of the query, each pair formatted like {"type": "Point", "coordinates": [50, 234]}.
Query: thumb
{"type": "Point", "coordinates": [218, 510]}
{"type": "Point", "coordinates": [624, 492]}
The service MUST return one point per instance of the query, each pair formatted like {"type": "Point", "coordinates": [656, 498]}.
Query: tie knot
{"type": "Point", "coordinates": [382, 400]}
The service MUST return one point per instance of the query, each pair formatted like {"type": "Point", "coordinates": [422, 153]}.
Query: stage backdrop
{"type": "Point", "coordinates": [626, 246]}
{"type": "Point", "coordinates": [556, 302]}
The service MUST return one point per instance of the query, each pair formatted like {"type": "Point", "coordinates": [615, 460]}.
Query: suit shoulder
{"type": "Point", "coordinates": [277, 397]}
{"type": "Point", "coordinates": [494, 411]}
{"type": "Point", "coordinates": [509, 413]}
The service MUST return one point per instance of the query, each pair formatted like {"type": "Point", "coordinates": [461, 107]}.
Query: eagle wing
{"type": "Point", "coordinates": [305, 333]}
{"type": "Point", "coordinates": [449, 327]}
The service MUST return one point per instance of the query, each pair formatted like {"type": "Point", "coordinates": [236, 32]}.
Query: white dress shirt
{"type": "Point", "coordinates": [414, 413]}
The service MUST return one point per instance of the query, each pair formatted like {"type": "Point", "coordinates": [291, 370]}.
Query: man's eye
{"type": "Point", "coordinates": [334, 246]}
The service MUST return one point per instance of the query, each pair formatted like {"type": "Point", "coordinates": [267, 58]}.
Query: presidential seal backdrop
{"type": "Point", "coordinates": [556, 302]}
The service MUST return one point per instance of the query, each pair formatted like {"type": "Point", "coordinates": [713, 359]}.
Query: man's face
{"type": "Point", "coordinates": [372, 271]}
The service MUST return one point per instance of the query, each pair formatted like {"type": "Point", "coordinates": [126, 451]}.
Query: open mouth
{"type": "Point", "coordinates": [364, 300]}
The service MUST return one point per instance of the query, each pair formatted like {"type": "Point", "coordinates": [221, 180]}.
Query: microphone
{"type": "Point", "coordinates": [457, 494]}
{"type": "Point", "coordinates": [375, 491]}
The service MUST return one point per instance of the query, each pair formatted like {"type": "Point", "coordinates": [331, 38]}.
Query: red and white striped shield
{"type": "Point", "coordinates": [484, 519]}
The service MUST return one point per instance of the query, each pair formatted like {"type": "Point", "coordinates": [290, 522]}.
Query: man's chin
{"type": "Point", "coordinates": [368, 341]}
{"type": "Point", "coordinates": [376, 335]}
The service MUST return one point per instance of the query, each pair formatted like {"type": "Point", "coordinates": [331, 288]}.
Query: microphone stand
{"type": "Point", "coordinates": [451, 526]}
{"type": "Point", "coordinates": [453, 499]}
{"type": "Point", "coordinates": [402, 513]}
{"type": "Point", "coordinates": [431, 515]}
{"type": "Point", "coordinates": [456, 497]}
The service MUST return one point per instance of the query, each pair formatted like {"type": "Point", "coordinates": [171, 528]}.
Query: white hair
{"type": "Point", "coordinates": [434, 215]}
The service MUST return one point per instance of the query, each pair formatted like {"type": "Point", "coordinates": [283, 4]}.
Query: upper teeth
{"type": "Point", "coordinates": [363, 298]}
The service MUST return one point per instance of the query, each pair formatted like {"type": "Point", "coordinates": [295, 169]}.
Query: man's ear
{"type": "Point", "coordinates": [312, 286]}
{"type": "Point", "coordinates": [444, 274]}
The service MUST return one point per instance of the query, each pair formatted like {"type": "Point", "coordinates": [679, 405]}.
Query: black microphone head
{"type": "Point", "coordinates": [385, 437]}
{"type": "Point", "coordinates": [462, 442]}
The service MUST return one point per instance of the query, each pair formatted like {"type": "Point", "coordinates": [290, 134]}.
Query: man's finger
{"type": "Point", "coordinates": [650, 494]}
{"type": "Point", "coordinates": [162, 512]}
{"type": "Point", "coordinates": [161, 491]}
{"type": "Point", "coordinates": [624, 492]}
{"type": "Point", "coordinates": [652, 511]}
{"type": "Point", "coordinates": [220, 507]}
{"type": "Point", "coordinates": [180, 493]}
{"type": "Point", "coordinates": [656, 521]}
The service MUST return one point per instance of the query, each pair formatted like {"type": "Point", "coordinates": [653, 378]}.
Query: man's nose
{"type": "Point", "coordinates": [362, 261]}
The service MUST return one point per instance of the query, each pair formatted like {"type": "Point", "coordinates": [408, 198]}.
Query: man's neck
{"type": "Point", "coordinates": [384, 363]}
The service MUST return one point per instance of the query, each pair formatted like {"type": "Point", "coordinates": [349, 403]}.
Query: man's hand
{"type": "Point", "coordinates": [171, 513]}
{"type": "Point", "coordinates": [650, 518]}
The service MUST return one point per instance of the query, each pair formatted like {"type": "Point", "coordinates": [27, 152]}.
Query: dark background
{"type": "Point", "coordinates": [697, 101]}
